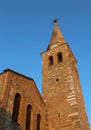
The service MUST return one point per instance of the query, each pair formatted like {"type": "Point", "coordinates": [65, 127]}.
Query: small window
{"type": "Point", "coordinates": [16, 107]}
{"type": "Point", "coordinates": [38, 121]}
{"type": "Point", "coordinates": [51, 60]}
{"type": "Point", "coordinates": [60, 57]}
{"type": "Point", "coordinates": [28, 117]}
{"type": "Point", "coordinates": [57, 80]}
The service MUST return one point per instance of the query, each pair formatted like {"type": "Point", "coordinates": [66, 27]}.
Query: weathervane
{"type": "Point", "coordinates": [55, 20]}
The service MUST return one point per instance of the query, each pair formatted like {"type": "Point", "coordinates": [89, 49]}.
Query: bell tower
{"type": "Point", "coordinates": [62, 92]}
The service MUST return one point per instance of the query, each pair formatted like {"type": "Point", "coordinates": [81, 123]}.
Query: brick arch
{"type": "Point", "coordinates": [16, 107]}
{"type": "Point", "coordinates": [28, 117]}
{"type": "Point", "coordinates": [59, 57]}
{"type": "Point", "coordinates": [51, 60]}
{"type": "Point", "coordinates": [38, 121]}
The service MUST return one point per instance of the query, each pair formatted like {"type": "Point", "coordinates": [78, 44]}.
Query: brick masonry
{"type": "Point", "coordinates": [15, 83]}
{"type": "Point", "coordinates": [62, 92]}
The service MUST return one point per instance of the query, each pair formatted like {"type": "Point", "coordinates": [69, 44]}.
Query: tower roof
{"type": "Point", "coordinates": [57, 37]}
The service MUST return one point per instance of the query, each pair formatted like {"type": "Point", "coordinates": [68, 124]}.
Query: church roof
{"type": "Point", "coordinates": [57, 37]}
{"type": "Point", "coordinates": [10, 70]}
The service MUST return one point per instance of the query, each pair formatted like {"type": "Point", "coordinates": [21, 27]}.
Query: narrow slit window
{"type": "Point", "coordinates": [60, 57]}
{"type": "Point", "coordinates": [38, 121]}
{"type": "Point", "coordinates": [51, 60]}
{"type": "Point", "coordinates": [28, 117]}
{"type": "Point", "coordinates": [16, 107]}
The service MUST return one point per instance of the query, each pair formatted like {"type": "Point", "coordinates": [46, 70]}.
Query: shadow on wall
{"type": "Point", "coordinates": [6, 122]}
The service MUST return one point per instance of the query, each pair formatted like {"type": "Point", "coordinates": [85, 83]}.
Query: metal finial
{"type": "Point", "coordinates": [55, 20]}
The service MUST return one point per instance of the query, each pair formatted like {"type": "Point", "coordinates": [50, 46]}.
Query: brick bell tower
{"type": "Point", "coordinates": [62, 92]}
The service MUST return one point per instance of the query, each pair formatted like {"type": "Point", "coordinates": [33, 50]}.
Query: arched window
{"type": "Point", "coordinates": [50, 60]}
{"type": "Point", "coordinates": [60, 57]}
{"type": "Point", "coordinates": [16, 107]}
{"type": "Point", "coordinates": [38, 121]}
{"type": "Point", "coordinates": [28, 117]}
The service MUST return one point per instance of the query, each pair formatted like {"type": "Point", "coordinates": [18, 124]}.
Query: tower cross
{"type": "Point", "coordinates": [55, 20]}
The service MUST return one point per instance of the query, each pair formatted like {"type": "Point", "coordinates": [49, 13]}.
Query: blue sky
{"type": "Point", "coordinates": [25, 32]}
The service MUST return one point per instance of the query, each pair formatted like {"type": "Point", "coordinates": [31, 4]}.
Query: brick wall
{"type": "Point", "coordinates": [62, 91]}
{"type": "Point", "coordinates": [16, 83]}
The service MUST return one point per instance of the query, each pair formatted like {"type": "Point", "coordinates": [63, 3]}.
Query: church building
{"type": "Point", "coordinates": [61, 104]}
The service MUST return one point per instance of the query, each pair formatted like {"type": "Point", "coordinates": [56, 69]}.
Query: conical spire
{"type": "Point", "coordinates": [57, 37]}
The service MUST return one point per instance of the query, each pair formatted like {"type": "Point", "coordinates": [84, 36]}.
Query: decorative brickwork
{"type": "Point", "coordinates": [61, 106]}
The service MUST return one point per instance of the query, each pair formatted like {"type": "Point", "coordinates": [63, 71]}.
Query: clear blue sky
{"type": "Point", "coordinates": [25, 31]}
